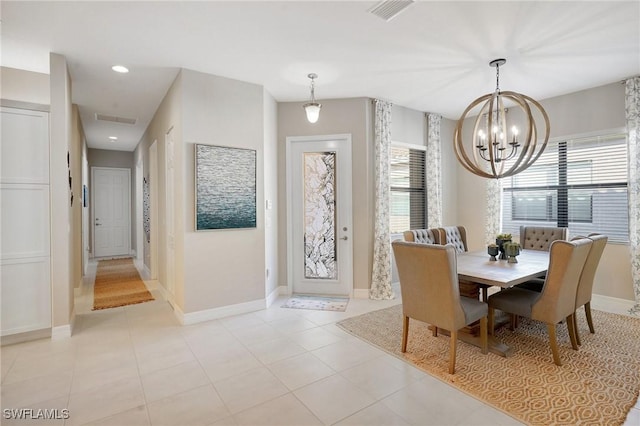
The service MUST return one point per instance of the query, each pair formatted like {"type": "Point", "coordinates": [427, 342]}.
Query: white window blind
{"type": "Point", "coordinates": [407, 209]}
{"type": "Point", "coordinates": [580, 184]}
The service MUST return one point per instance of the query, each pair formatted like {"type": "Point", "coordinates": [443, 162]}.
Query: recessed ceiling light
{"type": "Point", "coordinates": [113, 138]}
{"type": "Point", "coordinates": [120, 69]}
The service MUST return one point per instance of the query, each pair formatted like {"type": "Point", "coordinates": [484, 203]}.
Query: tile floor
{"type": "Point", "coordinates": [137, 366]}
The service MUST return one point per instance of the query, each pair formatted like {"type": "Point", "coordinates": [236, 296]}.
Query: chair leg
{"type": "Point", "coordinates": [571, 327]}
{"type": "Point", "coordinates": [405, 333]}
{"type": "Point", "coordinates": [587, 311]}
{"type": "Point", "coordinates": [575, 329]}
{"type": "Point", "coordinates": [551, 328]}
{"type": "Point", "coordinates": [490, 321]}
{"type": "Point", "coordinates": [434, 330]}
{"type": "Point", "coordinates": [484, 340]}
{"type": "Point", "coordinates": [452, 351]}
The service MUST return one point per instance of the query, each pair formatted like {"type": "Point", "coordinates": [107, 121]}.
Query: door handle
{"type": "Point", "coordinates": [344, 238]}
{"type": "Point", "coordinates": [98, 224]}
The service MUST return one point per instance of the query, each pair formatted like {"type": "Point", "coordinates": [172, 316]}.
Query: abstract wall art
{"type": "Point", "coordinates": [225, 187]}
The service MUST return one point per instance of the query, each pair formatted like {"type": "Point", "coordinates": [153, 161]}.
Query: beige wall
{"type": "Point", "coordinates": [62, 256]}
{"type": "Point", "coordinates": [76, 151]}
{"type": "Point", "coordinates": [586, 112]}
{"type": "Point", "coordinates": [271, 193]}
{"type": "Point", "coordinates": [167, 116]}
{"type": "Point", "coordinates": [338, 116]}
{"type": "Point", "coordinates": [222, 267]}
{"type": "Point", "coordinates": [25, 86]}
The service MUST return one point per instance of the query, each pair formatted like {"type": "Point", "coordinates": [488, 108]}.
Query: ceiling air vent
{"type": "Point", "coordinates": [389, 9]}
{"type": "Point", "coordinates": [114, 119]}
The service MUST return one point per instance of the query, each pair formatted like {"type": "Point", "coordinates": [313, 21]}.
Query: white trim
{"type": "Point", "coordinates": [614, 305]}
{"type": "Point", "coordinates": [61, 332]}
{"type": "Point", "coordinates": [271, 297]}
{"type": "Point", "coordinates": [216, 313]}
{"type": "Point", "coordinates": [360, 293]}
{"type": "Point", "coordinates": [290, 140]}
{"type": "Point", "coordinates": [93, 211]}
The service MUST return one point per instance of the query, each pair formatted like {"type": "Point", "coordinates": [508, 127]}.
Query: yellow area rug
{"type": "Point", "coordinates": [596, 385]}
{"type": "Point", "coordinates": [118, 284]}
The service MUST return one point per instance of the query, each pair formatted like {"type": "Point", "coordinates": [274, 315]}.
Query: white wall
{"type": "Point", "coordinates": [599, 109]}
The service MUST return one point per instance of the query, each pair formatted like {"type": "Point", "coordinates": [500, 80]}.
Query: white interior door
{"type": "Point", "coordinates": [320, 248]}
{"type": "Point", "coordinates": [111, 211]}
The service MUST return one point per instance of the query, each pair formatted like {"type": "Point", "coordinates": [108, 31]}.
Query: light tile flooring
{"type": "Point", "coordinates": [137, 366]}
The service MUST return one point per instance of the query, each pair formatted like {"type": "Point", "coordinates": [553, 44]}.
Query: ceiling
{"type": "Point", "coordinates": [433, 56]}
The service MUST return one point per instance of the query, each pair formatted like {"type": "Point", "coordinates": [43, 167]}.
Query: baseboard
{"type": "Point", "coordinates": [28, 336]}
{"type": "Point", "coordinates": [611, 304]}
{"type": "Point", "coordinates": [360, 293]}
{"type": "Point", "coordinates": [61, 332]}
{"type": "Point", "coordinates": [217, 313]}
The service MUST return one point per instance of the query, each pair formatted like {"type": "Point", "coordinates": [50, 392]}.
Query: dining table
{"type": "Point", "coordinates": [477, 270]}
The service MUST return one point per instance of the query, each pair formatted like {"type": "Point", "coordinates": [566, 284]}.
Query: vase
{"type": "Point", "coordinates": [512, 250]}
{"type": "Point", "coordinates": [493, 252]}
{"type": "Point", "coordinates": [500, 243]}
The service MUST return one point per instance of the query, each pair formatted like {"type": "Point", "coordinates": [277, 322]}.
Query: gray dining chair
{"type": "Point", "coordinates": [456, 235]}
{"type": "Point", "coordinates": [424, 236]}
{"type": "Point", "coordinates": [585, 285]}
{"type": "Point", "coordinates": [557, 300]}
{"type": "Point", "coordinates": [430, 293]}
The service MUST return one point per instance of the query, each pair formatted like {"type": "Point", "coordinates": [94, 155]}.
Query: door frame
{"type": "Point", "coordinates": [290, 140]}
{"type": "Point", "coordinates": [93, 206]}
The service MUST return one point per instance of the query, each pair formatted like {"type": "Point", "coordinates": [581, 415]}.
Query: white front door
{"type": "Point", "coordinates": [320, 248]}
{"type": "Point", "coordinates": [111, 211]}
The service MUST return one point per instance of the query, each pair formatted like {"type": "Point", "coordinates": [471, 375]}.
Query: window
{"type": "Point", "coordinates": [580, 184]}
{"type": "Point", "coordinates": [408, 197]}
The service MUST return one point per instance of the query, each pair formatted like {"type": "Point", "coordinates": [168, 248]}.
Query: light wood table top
{"type": "Point", "coordinates": [476, 267]}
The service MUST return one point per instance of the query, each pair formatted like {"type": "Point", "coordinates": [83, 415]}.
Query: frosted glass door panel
{"type": "Point", "coordinates": [320, 215]}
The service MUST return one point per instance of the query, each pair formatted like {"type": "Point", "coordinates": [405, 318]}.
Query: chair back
{"type": "Point", "coordinates": [557, 299]}
{"type": "Point", "coordinates": [540, 237]}
{"type": "Point", "coordinates": [424, 236]}
{"type": "Point", "coordinates": [456, 235]}
{"type": "Point", "coordinates": [585, 285]}
{"type": "Point", "coordinates": [429, 283]}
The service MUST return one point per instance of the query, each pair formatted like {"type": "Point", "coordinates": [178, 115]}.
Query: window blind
{"type": "Point", "coordinates": [407, 209]}
{"type": "Point", "coordinates": [580, 184]}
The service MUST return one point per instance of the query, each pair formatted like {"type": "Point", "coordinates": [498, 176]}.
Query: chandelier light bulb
{"type": "Point", "coordinates": [312, 108]}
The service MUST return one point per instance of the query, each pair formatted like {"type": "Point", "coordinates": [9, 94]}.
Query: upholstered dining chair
{"type": "Point", "coordinates": [540, 237]}
{"type": "Point", "coordinates": [429, 288]}
{"type": "Point", "coordinates": [424, 236]}
{"type": "Point", "coordinates": [585, 285]}
{"type": "Point", "coordinates": [557, 299]}
{"type": "Point", "coordinates": [456, 235]}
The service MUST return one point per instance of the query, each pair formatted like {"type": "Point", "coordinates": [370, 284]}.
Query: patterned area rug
{"type": "Point", "coordinates": [118, 284]}
{"type": "Point", "coordinates": [596, 385]}
{"type": "Point", "coordinates": [318, 303]}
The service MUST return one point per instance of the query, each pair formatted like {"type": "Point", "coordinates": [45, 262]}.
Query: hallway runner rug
{"type": "Point", "coordinates": [118, 283]}
{"type": "Point", "coordinates": [596, 385]}
{"type": "Point", "coordinates": [318, 303]}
